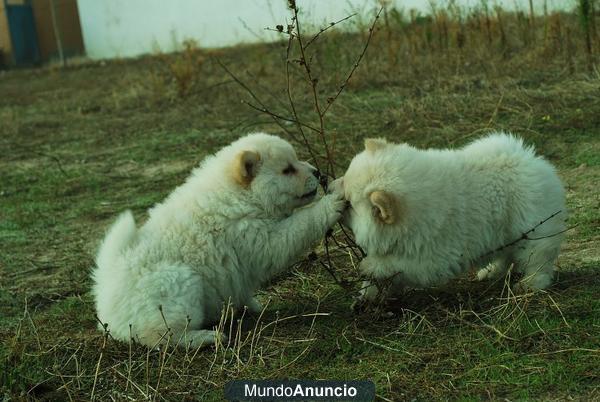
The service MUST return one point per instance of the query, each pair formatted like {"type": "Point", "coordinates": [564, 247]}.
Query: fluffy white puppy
{"type": "Point", "coordinates": [424, 216]}
{"type": "Point", "coordinates": [234, 224]}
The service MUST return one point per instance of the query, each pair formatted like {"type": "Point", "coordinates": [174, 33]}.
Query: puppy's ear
{"type": "Point", "coordinates": [385, 207]}
{"type": "Point", "coordinates": [245, 167]}
{"type": "Point", "coordinates": [375, 144]}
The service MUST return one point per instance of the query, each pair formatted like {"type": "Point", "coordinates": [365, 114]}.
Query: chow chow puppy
{"type": "Point", "coordinates": [235, 223]}
{"type": "Point", "coordinates": [425, 216]}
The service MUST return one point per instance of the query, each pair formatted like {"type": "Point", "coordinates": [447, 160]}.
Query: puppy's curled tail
{"type": "Point", "coordinates": [117, 239]}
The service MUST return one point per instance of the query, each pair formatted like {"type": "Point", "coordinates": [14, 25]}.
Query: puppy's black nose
{"type": "Point", "coordinates": [317, 174]}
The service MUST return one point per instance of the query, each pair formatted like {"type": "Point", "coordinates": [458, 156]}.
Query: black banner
{"type": "Point", "coordinates": [299, 390]}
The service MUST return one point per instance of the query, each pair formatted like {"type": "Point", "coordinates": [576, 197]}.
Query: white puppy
{"type": "Point", "coordinates": [232, 226]}
{"type": "Point", "coordinates": [424, 216]}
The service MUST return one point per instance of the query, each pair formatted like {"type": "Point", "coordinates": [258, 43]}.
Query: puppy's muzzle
{"type": "Point", "coordinates": [308, 195]}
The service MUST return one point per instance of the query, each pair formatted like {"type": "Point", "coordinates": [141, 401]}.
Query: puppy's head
{"type": "Point", "coordinates": [267, 168]}
{"type": "Point", "coordinates": [371, 191]}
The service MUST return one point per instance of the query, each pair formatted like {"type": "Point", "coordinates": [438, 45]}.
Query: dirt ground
{"type": "Point", "coordinates": [81, 144]}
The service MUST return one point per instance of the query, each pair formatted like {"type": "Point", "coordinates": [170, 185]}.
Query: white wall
{"type": "Point", "coordinates": [126, 28]}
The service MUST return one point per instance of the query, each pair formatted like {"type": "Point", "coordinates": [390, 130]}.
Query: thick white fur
{"type": "Point", "coordinates": [454, 207]}
{"type": "Point", "coordinates": [214, 239]}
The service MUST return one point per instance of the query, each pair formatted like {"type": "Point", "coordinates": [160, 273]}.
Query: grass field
{"type": "Point", "coordinates": [81, 144]}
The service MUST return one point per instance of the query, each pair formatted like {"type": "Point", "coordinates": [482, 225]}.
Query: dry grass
{"type": "Point", "coordinates": [79, 145]}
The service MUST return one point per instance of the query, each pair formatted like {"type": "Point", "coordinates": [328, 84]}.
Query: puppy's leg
{"type": "Point", "coordinates": [384, 270]}
{"type": "Point", "coordinates": [177, 301]}
{"type": "Point", "coordinates": [254, 306]}
{"type": "Point", "coordinates": [179, 337]}
{"type": "Point", "coordinates": [372, 293]}
{"type": "Point", "coordinates": [537, 260]}
{"type": "Point", "coordinates": [199, 338]}
{"type": "Point", "coordinates": [380, 267]}
{"type": "Point", "coordinates": [495, 269]}
{"type": "Point", "coordinates": [297, 233]}
{"type": "Point", "coordinates": [368, 292]}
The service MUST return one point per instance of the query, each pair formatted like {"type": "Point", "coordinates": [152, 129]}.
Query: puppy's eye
{"type": "Point", "coordinates": [289, 170]}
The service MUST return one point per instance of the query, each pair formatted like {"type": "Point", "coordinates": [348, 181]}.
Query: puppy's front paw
{"type": "Point", "coordinates": [367, 296]}
{"type": "Point", "coordinates": [334, 205]}
{"type": "Point", "coordinates": [254, 306]}
{"type": "Point", "coordinates": [380, 268]}
{"type": "Point", "coordinates": [369, 291]}
{"type": "Point", "coordinates": [370, 267]}
{"type": "Point", "coordinates": [336, 187]}
{"type": "Point", "coordinates": [371, 298]}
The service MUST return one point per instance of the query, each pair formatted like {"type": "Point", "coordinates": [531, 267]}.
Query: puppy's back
{"type": "Point", "coordinates": [499, 143]}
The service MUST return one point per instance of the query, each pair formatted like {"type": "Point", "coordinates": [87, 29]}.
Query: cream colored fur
{"type": "Point", "coordinates": [239, 219]}
{"type": "Point", "coordinates": [425, 216]}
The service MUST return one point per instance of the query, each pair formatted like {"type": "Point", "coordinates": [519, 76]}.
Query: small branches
{"type": "Point", "coordinates": [105, 336]}
{"type": "Point", "coordinates": [385, 283]}
{"type": "Point", "coordinates": [307, 130]}
{"type": "Point", "coordinates": [279, 29]}
{"type": "Point", "coordinates": [313, 81]}
{"type": "Point", "coordinates": [331, 25]}
{"type": "Point", "coordinates": [331, 100]}
{"type": "Point", "coordinates": [263, 108]}
{"type": "Point", "coordinates": [525, 236]}
{"type": "Point", "coordinates": [321, 151]}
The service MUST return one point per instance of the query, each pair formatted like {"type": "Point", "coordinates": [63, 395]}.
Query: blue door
{"type": "Point", "coordinates": [22, 33]}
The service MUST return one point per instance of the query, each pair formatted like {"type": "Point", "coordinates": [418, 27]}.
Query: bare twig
{"type": "Point", "coordinates": [524, 236]}
{"type": "Point", "coordinates": [97, 372]}
{"type": "Point", "coordinates": [331, 100]}
{"type": "Point", "coordinates": [291, 98]}
{"type": "Point", "coordinates": [313, 81]}
{"type": "Point", "coordinates": [55, 159]}
{"type": "Point", "coordinates": [276, 118]}
{"type": "Point", "coordinates": [328, 265]}
{"type": "Point", "coordinates": [297, 42]}
{"type": "Point", "coordinates": [331, 25]}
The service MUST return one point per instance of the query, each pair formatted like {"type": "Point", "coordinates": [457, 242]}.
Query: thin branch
{"type": "Point", "coordinates": [553, 234]}
{"type": "Point", "coordinates": [291, 98]}
{"type": "Point", "coordinates": [277, 116]}
{"type": "Point", "coordinates": [332, 99]}
{"type": "Point", "coordinates": [294, 33]}
{"type": "Point", "coordinates": [352, 242]}
{"type": "Point", "coordinates": [55, 159]}
{"type": "Point", "coordinates": [313, 81]}
{"type": "Point", "coordinates": [524, 236]}
{"type": "Point", "coordinates": [253, 95]}
{"type": "Point", "coordinates": [269, 91]}
{"type": "Point", "coordinates": [352, 246]}
{"type": "Point", "coordinates": [206, 88]}
{"type": "Point", "coordinates": [331, 25]}
{"type": "Point", "coordinates": [280, 31]}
